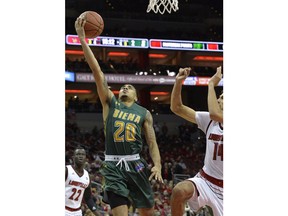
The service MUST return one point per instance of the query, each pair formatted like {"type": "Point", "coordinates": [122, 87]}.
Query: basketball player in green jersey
{"type": "Point", "coordinates": [126, 174]}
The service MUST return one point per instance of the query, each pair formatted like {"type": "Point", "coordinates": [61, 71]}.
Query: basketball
{"type": "Point", "coordinates": [94, 24]}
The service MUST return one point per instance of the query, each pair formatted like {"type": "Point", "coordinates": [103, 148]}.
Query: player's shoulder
{"type": "Point", "coordinates": [86, 172]}
{"type": "Point", "coordinates": [140, 108]}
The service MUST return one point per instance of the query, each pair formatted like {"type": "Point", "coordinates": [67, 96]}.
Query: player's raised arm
{"type": "Point", "coordinates": [176, 104]}
{"type": "Point", "coordinates": [215, 106]}
{"type": "Point", "coordinates": [102, 87]}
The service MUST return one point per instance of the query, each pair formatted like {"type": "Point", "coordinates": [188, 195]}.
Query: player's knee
{"type": "Point", "coordinates": [183, 190]}
{"type": "Point", "coordinates": [146, 211]}
{"type": "Point", "coordinates": [178, 191]}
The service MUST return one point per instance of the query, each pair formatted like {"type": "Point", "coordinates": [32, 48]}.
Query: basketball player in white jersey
{"type": "Point", "coordinates": [77, 186]}
{"type": "Point", "coordinates": [203, 192]}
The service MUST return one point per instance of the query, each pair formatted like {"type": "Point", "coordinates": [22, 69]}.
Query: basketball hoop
{"type": "Point", "coordinates": [162, 5]}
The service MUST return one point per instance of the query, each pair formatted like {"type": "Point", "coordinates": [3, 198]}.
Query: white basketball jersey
{"type": "Point", "coordinates": [213, 163]}
{"type": "Point", "coordinates": [74, 187]}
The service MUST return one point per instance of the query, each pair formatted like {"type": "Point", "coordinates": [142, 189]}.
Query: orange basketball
{"type": "Point", "coordinates": [94, 24]}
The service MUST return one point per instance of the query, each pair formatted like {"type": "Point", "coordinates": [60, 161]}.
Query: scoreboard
{"type": "Point", "coordinates": [144, 43]}
{"type": "Point", "coordinates": [110, 41]}
{"type": "Point", "coordinates": [186, 45]}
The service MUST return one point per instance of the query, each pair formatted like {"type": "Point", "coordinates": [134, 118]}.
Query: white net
{"type": "Point", "coordinates": [162, 5]}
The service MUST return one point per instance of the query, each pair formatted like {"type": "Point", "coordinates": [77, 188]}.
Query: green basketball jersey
{"type": "Point", "coordinates": [123, 128]}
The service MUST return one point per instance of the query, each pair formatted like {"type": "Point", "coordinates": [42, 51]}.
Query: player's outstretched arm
{"type": "Point", "coordinates": [102, 87]}
{"type": "Point", "coordinates": [216, 113]}
{"type": "Point", "coordinates": [153, 148]}
{"type": "Point", "coordinates": [176, 104]}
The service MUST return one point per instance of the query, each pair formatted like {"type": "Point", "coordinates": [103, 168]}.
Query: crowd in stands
{"type": "Point", "coordinates": [128, 66]}
{"type": "Point", "coordinates": [131, 66]}
{"type": "Point", "coordinates": [182, 153]}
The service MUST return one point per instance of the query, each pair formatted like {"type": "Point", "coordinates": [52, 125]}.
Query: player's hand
{"type": "Point", "coordinates": [215, 79]}
{"type": "Point", "coordinates": [79, 27]}
{"type": "Point", "coordinates": [183, 73]}
{"type": "Point", "coordinates": [156, 174]}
